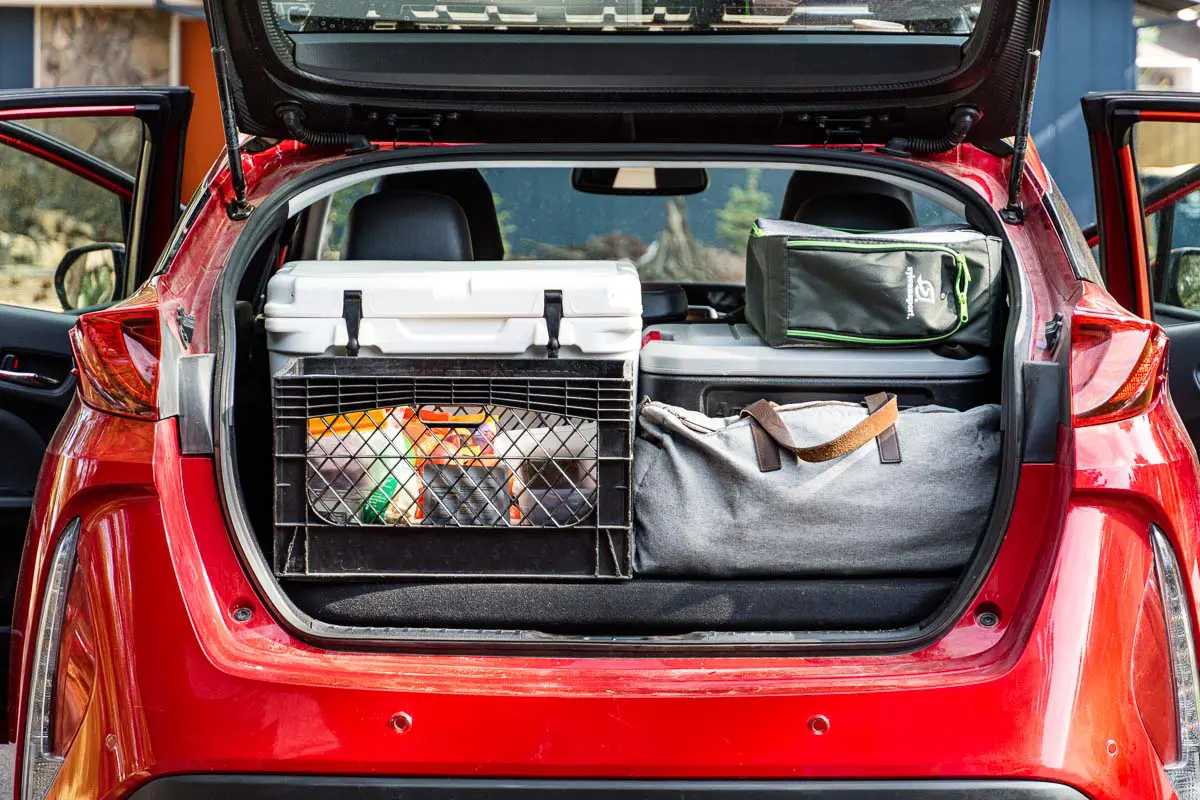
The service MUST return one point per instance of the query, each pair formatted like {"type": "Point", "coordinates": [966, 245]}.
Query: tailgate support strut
{"type": "Point", "coordinates": [1014, 212]}
{"type": "Point", "coordinates": [238, 208]}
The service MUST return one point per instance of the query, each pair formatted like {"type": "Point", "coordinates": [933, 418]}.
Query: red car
{"type": "Point", "coordinates": [162, 647]}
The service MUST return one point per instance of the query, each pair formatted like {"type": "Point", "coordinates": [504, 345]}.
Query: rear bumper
{"type": "Point", "coordinates": [284, 787]}
{"type": "Point", "coordinates": [192, 700]}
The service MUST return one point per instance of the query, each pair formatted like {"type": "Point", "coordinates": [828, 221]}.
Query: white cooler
{"type": "Point", "coordinates": [442, 308]}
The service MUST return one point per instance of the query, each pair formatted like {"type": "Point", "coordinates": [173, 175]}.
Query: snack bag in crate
{"type": "Point", "coordinates": [357, 469]}
{"type": "Point", "coordinates": [554, 472]}
{"type": "Point", "coordinates": [464, 482]}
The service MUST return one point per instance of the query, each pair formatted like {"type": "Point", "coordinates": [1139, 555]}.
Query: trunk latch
{"type": "Point", "coordinates": [844, 132]}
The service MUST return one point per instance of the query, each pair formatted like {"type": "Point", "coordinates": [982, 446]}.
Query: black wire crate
{"type": "Point", "coordinates": [443, 467]}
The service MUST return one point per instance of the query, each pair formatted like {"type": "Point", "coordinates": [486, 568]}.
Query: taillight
{"type": "Point", "coordinates": [1184, 770]}
{"type": "Point", "coordinates": [1118, 363]}
{"type": "Point", "coordinates": [40, 763]}
{"type": "Point", "coordinates": [117, 354]}
{"type": "Point", "coordinates": [76, 672]}
{"type": "Point", "coordinates": [1153, 678]}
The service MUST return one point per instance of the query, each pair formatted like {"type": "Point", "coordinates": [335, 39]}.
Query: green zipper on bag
{"type": "Point", "coordinates": [962, 282]}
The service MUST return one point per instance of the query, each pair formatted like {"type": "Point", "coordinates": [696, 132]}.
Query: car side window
{"type": "Point", "coordinates": [66, 190]}
{"type": "Point", "coordinates": [333, 236]}
{"type": "Point", "coordinates": [1173, 240]}
{"type": "Point", "coordinates": [1167, 155]}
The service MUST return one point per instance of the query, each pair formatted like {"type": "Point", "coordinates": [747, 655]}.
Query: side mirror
{"type": "Point", "coordinates": [87, 275]}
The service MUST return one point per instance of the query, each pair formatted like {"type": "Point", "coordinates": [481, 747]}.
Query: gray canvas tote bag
{"type": "Point", "coordinates": [800, 490]}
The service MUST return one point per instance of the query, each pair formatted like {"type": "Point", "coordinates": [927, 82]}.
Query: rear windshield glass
{"type": "Point", "coordinates": [931, 17]}
{"type": "Point", "coordinates": [697, 238]}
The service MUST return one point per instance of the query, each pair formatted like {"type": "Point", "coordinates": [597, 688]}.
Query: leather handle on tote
{"type": "Point", "coordinates": [771, 435]}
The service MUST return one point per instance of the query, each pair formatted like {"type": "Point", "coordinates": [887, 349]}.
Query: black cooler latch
{"type": "Point", "coordinates": [352, 312]}
{"type": "Point", "coordinates": [553, 314]}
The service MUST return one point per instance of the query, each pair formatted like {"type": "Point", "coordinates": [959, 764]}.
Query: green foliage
{"type": "Point", "coordinates": [1188, 281]}
{"type": "Point", "coordinates": [508, 228]}
{"type": "Point", "coordinates": [339, 209]}
{"type": "Point", "coordinates": [44, 201]}
{"type": "Point", "coordinates": [745, 205]}
{"type": "Point", "coordinates": [95, 286]}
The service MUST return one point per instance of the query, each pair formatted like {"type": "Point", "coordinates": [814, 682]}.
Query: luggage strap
{"type": "Point", "coordinates": [771, 434]}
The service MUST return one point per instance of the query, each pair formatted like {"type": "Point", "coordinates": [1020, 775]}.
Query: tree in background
{"type": "Point", "coordinates": [507, 226]}
{"type": "Point", "coordinates": [1187, 281]}
{"type": "Point", "coordinates": [339, 211]}
{"type": "Point", "coordinates": [745, 205]}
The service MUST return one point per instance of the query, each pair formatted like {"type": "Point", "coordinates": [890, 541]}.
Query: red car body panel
{"type": "Point", "coordinates": [182, 687]}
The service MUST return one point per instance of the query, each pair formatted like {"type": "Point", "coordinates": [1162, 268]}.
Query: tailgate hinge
{"type": "Point", "coordinates": [187, 325]}
{"type": "Point", "coordinates": [1054, 329]}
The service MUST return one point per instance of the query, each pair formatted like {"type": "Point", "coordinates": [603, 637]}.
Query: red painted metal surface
{"type": "Point", "coordinates": [58, 112]}
{"type": "Point", "coordinates": [181, 686]}
{"type": "Point", "coordinates": [1131, 188]}
{"type": "Point", "coordinates": [1168, 116]}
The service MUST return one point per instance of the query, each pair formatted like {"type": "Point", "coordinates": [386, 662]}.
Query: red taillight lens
{"type": "Point", "coordinates": [76, 673]}
{"type": "Point", "coordinates": [1153, 684]}
{"type": "Point", "coordinates": [117, 353]}
{"type": "Point", "coordinates": [1117, 363]}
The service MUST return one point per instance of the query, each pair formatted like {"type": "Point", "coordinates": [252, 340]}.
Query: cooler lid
{"type": "Point", "coordinates": [720, 350]}
{"type": "Point", "coordinates": [462, 290]}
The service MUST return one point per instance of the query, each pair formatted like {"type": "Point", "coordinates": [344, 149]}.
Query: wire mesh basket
{"type": "Point", "coordinates": [452, 467]}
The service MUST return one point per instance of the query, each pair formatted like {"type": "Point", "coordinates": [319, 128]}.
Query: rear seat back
{"type": "Point", "coordinates": [847, 202]}
{"type": "Point", "coordinates": [407, 226]}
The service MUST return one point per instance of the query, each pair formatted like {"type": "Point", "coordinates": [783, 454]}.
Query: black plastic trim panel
{"type": "Point", "coordinates": [1043, 410]}
{"type": "Point", "coordinates": [287, 787]}
{"type": "Point", "coordinates": [633, 608]}
{"type": "Point", "coordinates": [664, 87]}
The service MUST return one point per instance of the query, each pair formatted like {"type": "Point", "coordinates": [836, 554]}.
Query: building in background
{"type": "Point", "coordinates": [116, 43]}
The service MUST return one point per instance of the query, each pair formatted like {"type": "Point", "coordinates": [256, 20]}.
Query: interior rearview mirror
{"type": "Point", "coordinates": [648, 181]}
{"type": "Point", "coordinates": [87, 276]}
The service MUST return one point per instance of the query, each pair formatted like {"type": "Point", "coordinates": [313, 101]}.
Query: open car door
{"type": "Point", "coordinates": [1146, 157]}
{"type": "Point", "coordinates": [89, 193]}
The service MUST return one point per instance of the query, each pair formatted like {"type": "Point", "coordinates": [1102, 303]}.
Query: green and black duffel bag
{"type": "Point", "coordinates": [806, 284]}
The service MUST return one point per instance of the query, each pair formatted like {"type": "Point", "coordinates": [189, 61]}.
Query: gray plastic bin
{"type": "Point", "coordinates": [719, 369]}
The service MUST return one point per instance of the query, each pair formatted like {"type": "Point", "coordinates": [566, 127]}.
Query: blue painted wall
{"type": "Point", "coordinates": [1090, 46]}
{"type": "Point", "coordinates": [16, 48]}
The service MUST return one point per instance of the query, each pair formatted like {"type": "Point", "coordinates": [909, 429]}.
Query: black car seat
{"type": "Point", "coordinates": [848, 202]}
{"type": "Point", "coordinates": [470, 190]}
{"type": "Point", "coordinates": [407, 226]}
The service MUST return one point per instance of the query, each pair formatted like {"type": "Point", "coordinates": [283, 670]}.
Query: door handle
{"type": "Point", "coordinates": [33, 380]}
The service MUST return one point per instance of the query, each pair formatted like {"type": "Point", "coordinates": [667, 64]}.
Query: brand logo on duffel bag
{"type": "Point", "coordinates": [919, 291]}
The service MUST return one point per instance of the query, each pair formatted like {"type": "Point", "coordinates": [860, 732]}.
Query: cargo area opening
{"type": "Point", "coordinates": [406, 484]}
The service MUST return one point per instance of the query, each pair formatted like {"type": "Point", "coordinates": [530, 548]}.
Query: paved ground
{"type": "Point", "coordinates": [6, 771]}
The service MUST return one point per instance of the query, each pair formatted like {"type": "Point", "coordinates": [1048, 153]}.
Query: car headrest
{"type": "Point", "coordinates": [852, 202]}
{"type": "Point", "coordinates": [470, 190]}
{"type": "Point", "coordinates": [407, 226]}
{"type": "Point", "coordinates": [663, 302]}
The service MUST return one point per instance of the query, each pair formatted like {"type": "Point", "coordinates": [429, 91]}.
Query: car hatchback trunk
{"type": "Point", "coordinates": [682, 253]}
